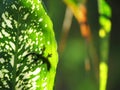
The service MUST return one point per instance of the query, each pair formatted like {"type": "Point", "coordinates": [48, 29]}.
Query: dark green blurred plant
{"type": "Point", "coordinates": [28, 56]}
{"type": "Point", "coordinates": [98, 59]}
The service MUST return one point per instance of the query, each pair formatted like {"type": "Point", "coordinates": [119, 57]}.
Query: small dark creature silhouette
{"type": "Point", "coordinates": [36, 57]}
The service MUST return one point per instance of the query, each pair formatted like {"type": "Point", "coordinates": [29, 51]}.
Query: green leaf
{"type": "Point", "coordinates": [104, 8]}
{"type": "Point", "coordinates": [28, 56]}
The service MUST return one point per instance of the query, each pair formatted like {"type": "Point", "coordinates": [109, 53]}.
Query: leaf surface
{"type": "Point", "coordinates": [28, 56]}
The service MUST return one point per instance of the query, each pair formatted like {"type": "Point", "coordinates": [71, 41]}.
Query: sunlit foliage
{"type": "Point", "coordinates": [28, 56]}
{"type": "Point", "coordinates": [104, 34]}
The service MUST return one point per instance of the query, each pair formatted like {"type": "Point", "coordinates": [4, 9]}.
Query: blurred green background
{"type": "Point", "coordinates": [71, 73]}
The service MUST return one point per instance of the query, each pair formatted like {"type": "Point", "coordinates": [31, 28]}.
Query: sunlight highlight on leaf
{"type": "Point", "coordinates": [103, 75]}
{"type": "Point", "coordinates": [102, 33]}
{"type": "Point", "coordinates": [105, 23]}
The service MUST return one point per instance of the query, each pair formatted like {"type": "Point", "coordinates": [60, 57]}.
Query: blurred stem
{"type": "Point", "coordinates": [86, 33]}
{"type": "Point", "coordinates": [91, 50]}
{"type": "Point", "coordinates": [65, 29]}
{"type": "Point", "coordinates": [80, 13]}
